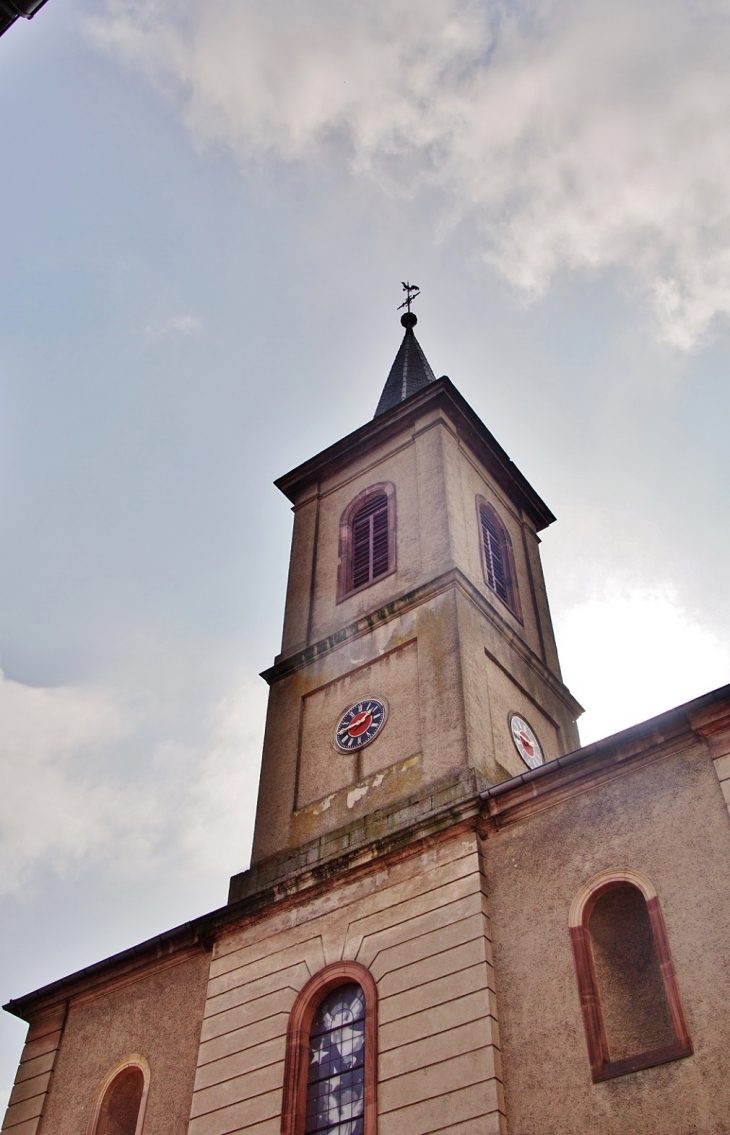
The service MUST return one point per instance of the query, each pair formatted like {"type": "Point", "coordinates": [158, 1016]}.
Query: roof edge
{"type": "Point", "coordinates": [688, 711]}
{"type": "Point", "coordinates": [693, 717]}
{"type": "Point", "coordinates": [475, 433]}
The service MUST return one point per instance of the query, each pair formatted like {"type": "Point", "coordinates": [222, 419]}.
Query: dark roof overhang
{"type": "Point", "coordinates": [441, 394]}
{"type": "Point", "coordinates": [10, 10]}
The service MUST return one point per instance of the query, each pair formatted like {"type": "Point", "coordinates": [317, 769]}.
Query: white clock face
{"type": "Point", "coordinates": [526, 742]}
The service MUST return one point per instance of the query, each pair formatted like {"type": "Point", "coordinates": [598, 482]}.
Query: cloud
{"type": "Point", "coordinates": [629, 654]}
{"type": "Point", "coordinates": [184, 324]}
{"type": "Point", "coordinates": [580, 136]}
{"type": "Point", "coordinates": [96, 777]}
{"type": "Point", "coordinates": [53, 803]}
{"type": "Point", "coordinates": [220, 809]}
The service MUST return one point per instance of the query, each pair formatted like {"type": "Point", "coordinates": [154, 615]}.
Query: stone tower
{"type": "Point", "coordinates": [453, 644]}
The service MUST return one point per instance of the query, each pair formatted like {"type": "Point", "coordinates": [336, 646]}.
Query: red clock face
{"type": "Point", "coordinates": [360, 724]}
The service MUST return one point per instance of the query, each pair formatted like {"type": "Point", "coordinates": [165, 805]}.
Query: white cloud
{"type": "Point", "coordinates": [184, 324]}
{"type": "Point", "coordinates": [574, 135]}
{"type": "Point", "coordinates": [93, 777]}
{"type": "Point", "coordinates": [54, 806]}
{"type": "Point", "coordinates": [628, 654]}
{"type": "Point", "coordinates": [221, 806]}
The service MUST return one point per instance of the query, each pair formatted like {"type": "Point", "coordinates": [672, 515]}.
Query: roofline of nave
{"type": "Point", "coordinates": [457, 804]}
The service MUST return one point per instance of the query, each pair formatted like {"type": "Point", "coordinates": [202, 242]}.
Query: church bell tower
{"type": "Point", "coordinates": [418, 649]}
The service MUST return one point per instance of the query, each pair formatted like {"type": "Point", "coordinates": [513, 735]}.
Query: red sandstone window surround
{"type": "Point", "coordinates": [367, 540]}
{"type": "Point", "coordinates": [498, 562]}
{"type": "Point", "coordinates": [632, 1011]}
{"type": "Point", "coordinates": [122, 1099]}
{"type": "Point", "coordinates": [309, 1062]}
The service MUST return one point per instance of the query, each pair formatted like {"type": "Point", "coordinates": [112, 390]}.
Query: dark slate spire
{"type": "Point", "coordinates": [410, 371]}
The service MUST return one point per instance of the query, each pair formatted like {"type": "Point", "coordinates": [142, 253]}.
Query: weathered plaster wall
{"type": "Point", "coordinates": [157, 1016]}
{"type": "Point", "coordinates": [498, 680]}
{"type": "Point", "coordinates": [421, 928]}
{"type": "Point", "coordinates": [422, 683]}
{"type": "Point", "coordinates": [392, 676]}
{"type": "Point", "coordinates": [667, 820]}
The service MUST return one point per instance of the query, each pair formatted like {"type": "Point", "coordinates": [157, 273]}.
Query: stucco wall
{"type": "Point", "coordinates": [422, 683]}
{"type": "Point", "coordinates": [667, 820]}
{"type": "Point", "coordinates": [157, 1016]}
{"type": "Point", "coordinates": [392, 676]}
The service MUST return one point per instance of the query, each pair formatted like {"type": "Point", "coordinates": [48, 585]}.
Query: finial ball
{"type": "Point", "coordinates": [409, 319]}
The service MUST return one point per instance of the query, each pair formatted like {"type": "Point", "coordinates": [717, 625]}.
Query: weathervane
{"type": "Point", "coordinates": [411, 291]}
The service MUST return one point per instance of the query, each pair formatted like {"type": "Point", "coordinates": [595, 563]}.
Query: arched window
{"type": "Point", "coordinates": [331, 1058]}
{"type": "Point", "coordinates": [498, 562]}
{"type": "Point", "coordinates": [367, 539]}
{"type": "Point", "coordinates": [121, 1099]}
{"type": "Point", "coordinates": [632, 1012]}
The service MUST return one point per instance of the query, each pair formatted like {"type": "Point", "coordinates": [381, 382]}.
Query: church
{"type": "Point", "coordinates": [456, 920]}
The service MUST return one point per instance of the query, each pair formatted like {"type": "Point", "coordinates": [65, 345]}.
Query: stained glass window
{"type": "Point", "coordinates": [336, 1079]}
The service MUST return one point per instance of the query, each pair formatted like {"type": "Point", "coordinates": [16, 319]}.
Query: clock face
{"type": "Point", "coordinates": [526, 742]}
{"type": "Point", "coordinates": [360, 724]}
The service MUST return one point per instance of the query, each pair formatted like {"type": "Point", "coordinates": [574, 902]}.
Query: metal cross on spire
{"type": "Point", "coordinates": [411, 291]}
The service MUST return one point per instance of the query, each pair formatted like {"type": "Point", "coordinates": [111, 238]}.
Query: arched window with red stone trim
{"type": "Point", "coordinates": [330, 1073]}
{"type": "Point", "coordinates": [367, 539]}
{"type": "Point", "coordinates": [498, 561]}
{"type": "Point", "coordinates": [632, 1011]}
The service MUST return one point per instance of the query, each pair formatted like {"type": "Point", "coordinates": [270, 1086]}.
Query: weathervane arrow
{"type": "Point", "coordinates": [411, 290]}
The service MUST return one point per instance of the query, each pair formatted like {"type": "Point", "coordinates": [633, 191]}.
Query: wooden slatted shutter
{"type": "Point", "coordinates": [494, 556]}
{"type": "Point", "coordinates": [370, 541]}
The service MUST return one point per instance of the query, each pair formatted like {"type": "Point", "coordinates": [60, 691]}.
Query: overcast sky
{"type": "Point", "coordinates": [207, 210]}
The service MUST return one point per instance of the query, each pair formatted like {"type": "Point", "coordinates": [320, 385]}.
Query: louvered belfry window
{"type": "Point", "coordinates": [336, 1077]}
{"type": "Point", "coordinates": [497, 560]}
{"type": "Point", "coordinates": [494, 556]}
{"type": "Point", "coordinates": [370, 541]}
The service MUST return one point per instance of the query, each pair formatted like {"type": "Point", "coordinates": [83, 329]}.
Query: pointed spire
{"type": "Point", "coordinates": [410, 371]}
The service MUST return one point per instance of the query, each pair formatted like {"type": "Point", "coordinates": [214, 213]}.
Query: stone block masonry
{"type": "Point", "coordinates": [421, 927]}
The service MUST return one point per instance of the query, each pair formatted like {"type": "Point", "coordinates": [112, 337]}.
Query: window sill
{"type": "Point", "coordinates": [491, 594]}
{"type": "Point", "coordinates": [364, 586]}
{"type": "Point", "coordinates": [664, 1055]}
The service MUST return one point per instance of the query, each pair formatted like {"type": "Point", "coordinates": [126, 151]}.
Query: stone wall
{"type": "Point", "coordinates": [421, 928]}
{"type": "Point", "coordinates": [33, 1079]}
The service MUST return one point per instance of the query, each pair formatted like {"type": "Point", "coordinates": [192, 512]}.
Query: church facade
{"type": "Point", "coordinates": [456, 919]}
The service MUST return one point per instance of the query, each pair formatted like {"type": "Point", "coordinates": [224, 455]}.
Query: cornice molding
{"type": "Point", "coordinates": [443, 395]}
{"type": "Point", "coordinates": [449, 580]}
{"type": "Point", "coordinates": [392, 835]}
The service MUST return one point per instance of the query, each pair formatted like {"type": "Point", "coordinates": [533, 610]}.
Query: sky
{"type": "Point", "coordinates": [207, 211]}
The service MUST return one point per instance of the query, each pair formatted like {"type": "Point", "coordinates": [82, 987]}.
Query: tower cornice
{"type": "Point", "coordinates": [450, 580]}
{"type": "Point", "coordinates": [442, 395]}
